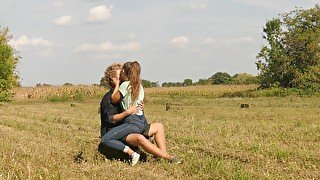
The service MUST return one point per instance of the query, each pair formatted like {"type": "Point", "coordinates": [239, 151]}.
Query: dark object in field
{"type": "Point", "coordinates": [78, 158]}
{"type": "Point", "coordinates": [175, 105]}
{"type": "Point", "coordinates": [167, 106]}
{"type": "Point", "coordinates": [244, 105]}
{"type": "Point", "coordinates": [72, 105]}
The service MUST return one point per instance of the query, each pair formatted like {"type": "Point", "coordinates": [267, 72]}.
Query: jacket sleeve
{"type": "Point", "coordinates": [110, 111]}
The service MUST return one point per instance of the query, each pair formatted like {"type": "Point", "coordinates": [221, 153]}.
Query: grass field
{"type": "Point", "coordinates": [275, 138]}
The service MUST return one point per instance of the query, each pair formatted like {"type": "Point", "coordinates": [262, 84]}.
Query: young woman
{"type": "Point", "coordinates": [130, 129]}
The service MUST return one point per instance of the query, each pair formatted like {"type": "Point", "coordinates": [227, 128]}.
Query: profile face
{"type": "Point", "coordinates": [118, 73]}
{"type": "Point", "coordinates": [122, 76]}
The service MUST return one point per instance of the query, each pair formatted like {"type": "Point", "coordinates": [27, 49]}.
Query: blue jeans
{"type": "Point", "coordinates": [133, 124]}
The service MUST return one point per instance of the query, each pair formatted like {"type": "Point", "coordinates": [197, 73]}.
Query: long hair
{"type": "Point", "coordinates": [132, 73]}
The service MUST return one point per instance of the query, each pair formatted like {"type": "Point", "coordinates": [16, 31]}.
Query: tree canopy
{"type": "Point", "coordinates": [292, 56]}
{"type": "Point", "coordinates": [221, 78]}
{"type": "Point", "coordinates": [8, 63]}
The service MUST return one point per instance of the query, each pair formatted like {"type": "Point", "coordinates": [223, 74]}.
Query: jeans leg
{"type": "Point", "coordinates": [112, 138]}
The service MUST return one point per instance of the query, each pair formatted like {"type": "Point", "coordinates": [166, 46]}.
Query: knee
{"type": "Point", "coordinates": [105, 139]}
{"type": "Point", "coordinates": [160, 127]}
{"type": "Point", "coordinates": [141, 139]}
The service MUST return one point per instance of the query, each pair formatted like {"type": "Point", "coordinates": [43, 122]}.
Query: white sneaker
{"type": "Point", "coordinates": [134, 158]}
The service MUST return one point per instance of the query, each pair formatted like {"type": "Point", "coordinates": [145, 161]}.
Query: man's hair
{"type": "Point", "coordinates": [110, 72]}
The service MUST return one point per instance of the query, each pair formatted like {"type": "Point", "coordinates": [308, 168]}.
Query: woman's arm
{"type": "Point", "coordinates": [116, 95]}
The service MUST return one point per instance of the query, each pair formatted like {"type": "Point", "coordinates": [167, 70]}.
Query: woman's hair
{"type": "Point", "coordinates": [131, 72]}
{"type": "Point", "coordinates": [110, 72]}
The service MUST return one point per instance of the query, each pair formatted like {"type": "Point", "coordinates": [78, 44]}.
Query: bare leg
{"type": "Point", "coordinates": [140, 140]}
{"type": "Point", "coordinates": [157, 130]}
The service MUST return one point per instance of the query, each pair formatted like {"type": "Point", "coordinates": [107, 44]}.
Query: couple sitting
{"type": "Point", "coordinates": [123, 124]}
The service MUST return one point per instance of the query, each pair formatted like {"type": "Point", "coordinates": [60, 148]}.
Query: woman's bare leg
{"type": "Point", "coordinates": [157, 130]}
{"type": "Point", "coordinates": [140, 140]}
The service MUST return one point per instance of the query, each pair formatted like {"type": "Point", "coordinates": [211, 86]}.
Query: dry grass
{"type": "Point", "coordinates": [208, 91]}
{"type": "Point", "coordinates": [275, 138]}
{"type": "Point", "coordinates": [69, 92]}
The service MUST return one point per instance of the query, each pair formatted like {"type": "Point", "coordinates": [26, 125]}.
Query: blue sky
{"type": "Point", "coordinates": [75, 40]}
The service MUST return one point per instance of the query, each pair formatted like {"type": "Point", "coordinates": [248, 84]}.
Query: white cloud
{"type": "Point", "coordinates": [63, 20]}
{"type": "Point", "coordinates": [198, 6]}
{"type": "Point", "coordinates": [108, 46]}
{"type": "Point", "coordinates": [100, 13]}
{"type": "Point", "coordinates": [208, 41]}
{"type": "Point", "coordinates": [24, 41]}
{"type": "Point", "coordinates": [180, 42]}
{"type": "Point", "coordinates": [242, 40]}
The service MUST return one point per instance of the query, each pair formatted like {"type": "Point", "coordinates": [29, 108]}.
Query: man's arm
{"type": "Point", "coordinates": [118, 117]}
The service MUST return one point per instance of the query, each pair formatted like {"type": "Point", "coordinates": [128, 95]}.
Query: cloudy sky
{"type": "Point", "coordinates": [75, 40]}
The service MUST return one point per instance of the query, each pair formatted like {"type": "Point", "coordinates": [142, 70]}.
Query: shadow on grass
{"type": "Point", "coordinates": [113, 154]}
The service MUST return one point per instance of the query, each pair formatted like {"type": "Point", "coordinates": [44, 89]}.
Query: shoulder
{"type": "Point", "coordinates": [125, 83]}
{"type": "Point", "coordinates": [106, 98]}
{"type": "Point", "coordinates": [124, 87]}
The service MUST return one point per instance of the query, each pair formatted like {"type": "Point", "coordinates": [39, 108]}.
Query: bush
{"type": "Point", "coordinates": [59, 98]}
{"type": "Point", "coordinates": [244, 78]}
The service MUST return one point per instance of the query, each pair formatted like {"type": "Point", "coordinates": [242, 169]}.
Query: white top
{"type": "Point", "coordinates": [125, 90]}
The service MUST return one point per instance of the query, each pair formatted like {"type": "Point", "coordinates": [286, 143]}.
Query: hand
{"type": "Point", "coordinates": [115, 80]}
{"type": "Point", "coordinates": [133, 110]}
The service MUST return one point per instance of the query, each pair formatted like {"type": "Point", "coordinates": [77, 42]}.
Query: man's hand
{"type": "Point", "coordinates": [141, 106]}
{"type": "Point", "coordinates": [133, 110]}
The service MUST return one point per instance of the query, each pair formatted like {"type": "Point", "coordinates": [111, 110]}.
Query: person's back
{"type": "Point", "coordinates": [107, 111]}
{"type": "Point", "coordinates": [127, 100]}
{"type": "Point", "coordinates": [131, 93]}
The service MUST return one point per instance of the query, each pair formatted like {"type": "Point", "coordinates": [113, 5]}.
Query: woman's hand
{"type": "Point", "coordinates": [116, 81]}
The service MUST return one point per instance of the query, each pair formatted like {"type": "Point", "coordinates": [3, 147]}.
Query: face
{"type": "Point", "coordinates": [122, 75]}
{"type": "Point", "coordinates": [118, 73]}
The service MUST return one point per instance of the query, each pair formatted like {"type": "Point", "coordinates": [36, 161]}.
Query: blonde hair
{"type": "Point", "coordinates": [132, 73]}
{"type": "Point", "coordinates": [110, 72]}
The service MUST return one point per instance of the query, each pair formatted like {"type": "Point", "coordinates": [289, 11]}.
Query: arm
{"type": "Point", "coordinates": [124, 114]}
{"type": "Point", "coordinates": [116, 95]}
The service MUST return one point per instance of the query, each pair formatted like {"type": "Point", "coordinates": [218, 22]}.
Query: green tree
{"type": "Point", "coordinates": [203, 82]}
{"type": "Point", "coordinates": [221, 78]}
{"type": "Point", "coordinates": [8, 63]}
{"type": "Point", "coordinates": [172, 84]}
{"type": "Point", "coordinates": [244, 78]}
{"type": "Point", "coordinates": [187, 82]}
{"type": "Point", "coordinates": [292, 56]}
{"type": "Point", "coordinates": [103, 82]}
{"type": "Point", "coordinates": [147, 83]}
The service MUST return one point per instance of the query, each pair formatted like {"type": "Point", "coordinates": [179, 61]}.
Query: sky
{"type": "Point", "coordinates": [73, 41]}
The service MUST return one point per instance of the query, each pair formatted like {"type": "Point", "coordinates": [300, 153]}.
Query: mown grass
{"type": "Point", "coordinates": [275, 138]}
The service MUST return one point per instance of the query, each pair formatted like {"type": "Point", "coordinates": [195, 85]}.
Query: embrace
{"type": "Point", "coordinates": [123, 123]}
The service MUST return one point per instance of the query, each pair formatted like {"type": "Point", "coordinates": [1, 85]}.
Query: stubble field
{"type": "Point", "coordinates": [274, 138]}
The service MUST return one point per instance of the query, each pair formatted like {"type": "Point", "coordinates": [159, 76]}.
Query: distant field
{"type": "Point", "coordinates": [275, 138]}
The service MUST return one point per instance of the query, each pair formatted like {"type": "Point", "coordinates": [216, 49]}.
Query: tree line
{"type": "Point", "coordinates": [217, 78]}
{"type": "Point", "coordinates": [291, 58]}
